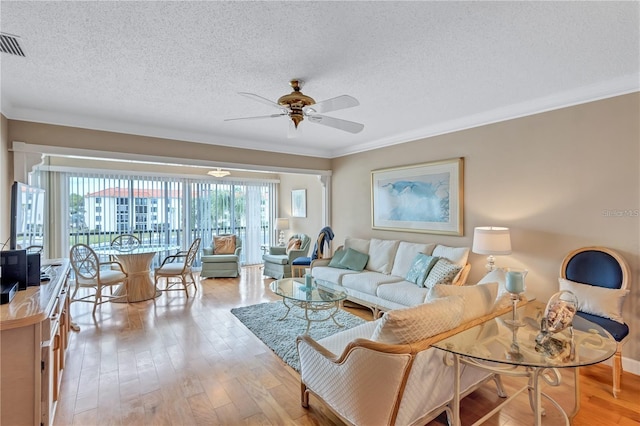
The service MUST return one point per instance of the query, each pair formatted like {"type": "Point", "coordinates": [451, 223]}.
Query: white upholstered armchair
{"type": "Point", "coordinates": [365, 381]}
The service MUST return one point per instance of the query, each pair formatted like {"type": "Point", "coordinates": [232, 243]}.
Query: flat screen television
{"type": "Point", "coordinates": [27, 216]}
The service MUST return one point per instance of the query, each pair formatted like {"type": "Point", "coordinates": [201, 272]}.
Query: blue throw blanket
{"type": "Point", "coordinates": [324, 238]}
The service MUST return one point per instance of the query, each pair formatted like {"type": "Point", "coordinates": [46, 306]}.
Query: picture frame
{"type": "Point", "coordinates": [299, 203]}
{"type": "Point", "coordinates": [425, 198]}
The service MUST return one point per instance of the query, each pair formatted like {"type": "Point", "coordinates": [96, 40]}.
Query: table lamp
{"type": "Point", "coordinates": [491, 240]}
{"type": "Point", "coordinates": [282, 224]}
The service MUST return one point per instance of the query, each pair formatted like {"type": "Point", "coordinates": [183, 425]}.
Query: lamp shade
{"type": "Point", "coordinates": [491, 240]}
{"type": "Point", "coordinates": [282, 223]}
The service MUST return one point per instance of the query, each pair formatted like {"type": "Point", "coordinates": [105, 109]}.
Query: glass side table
{"type": "Point", "coordinates": [504, 349]}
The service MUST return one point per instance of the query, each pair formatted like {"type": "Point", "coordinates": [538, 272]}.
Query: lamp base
{"type": "Point", "coordinates": [491, 263]}
{"type": "Point", "coordinates": [281, 238]}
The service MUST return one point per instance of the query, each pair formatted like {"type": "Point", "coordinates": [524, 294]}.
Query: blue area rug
{"type": "Point", "coordinates": [280, 336]}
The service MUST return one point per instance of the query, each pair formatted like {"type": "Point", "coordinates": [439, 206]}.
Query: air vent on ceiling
{"type": "Point", "coordinates": [9, 44]}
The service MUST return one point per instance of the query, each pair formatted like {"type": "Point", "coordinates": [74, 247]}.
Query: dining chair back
{"type": "Point", "coordinates": [180, 266]}
{"type": "Point", "coordinates": [125, 242]}
{"type": "Point", "coordinates": [96, 275]}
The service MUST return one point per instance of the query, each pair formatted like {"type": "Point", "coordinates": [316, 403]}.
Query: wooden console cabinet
{"type": "Point", "coordinates": [34, 331]}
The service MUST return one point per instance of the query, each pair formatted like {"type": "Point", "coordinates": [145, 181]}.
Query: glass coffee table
{"type": "Point", "coordinates": [313, 300]}
{"type": "Point", "coordinates": [500, 347]}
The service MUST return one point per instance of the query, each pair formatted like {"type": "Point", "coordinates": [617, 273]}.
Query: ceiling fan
{"type": "Point", "coordinates": [298, 106]}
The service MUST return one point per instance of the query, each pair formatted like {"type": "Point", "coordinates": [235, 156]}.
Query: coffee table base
{"type": "Point", "coordinates": [313, 307]}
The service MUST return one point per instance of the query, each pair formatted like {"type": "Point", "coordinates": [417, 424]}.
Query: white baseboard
{"type": "Point", "coordinates": [628, 365]}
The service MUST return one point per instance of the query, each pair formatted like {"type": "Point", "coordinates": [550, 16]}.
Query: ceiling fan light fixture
{"type": "Point", "coordinates": [218, 172]}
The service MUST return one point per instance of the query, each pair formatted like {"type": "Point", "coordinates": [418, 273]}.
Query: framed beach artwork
{"type": "Point", "coordinates": [424, 197]}
{"type": "Point", "coordinates": [299, 203]}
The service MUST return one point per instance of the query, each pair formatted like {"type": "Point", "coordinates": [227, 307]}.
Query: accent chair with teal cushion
{"type": "Point", "coordinates": [606, 269]}
{"type": "Point", "coordinates": [277, 263]}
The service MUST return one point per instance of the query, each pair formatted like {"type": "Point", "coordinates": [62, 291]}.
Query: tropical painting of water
{"type": "Point", "coordinates": [420, 198]}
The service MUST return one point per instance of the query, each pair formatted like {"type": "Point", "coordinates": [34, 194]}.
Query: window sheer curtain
{"type": "Point", "coordinates": [93, 208]}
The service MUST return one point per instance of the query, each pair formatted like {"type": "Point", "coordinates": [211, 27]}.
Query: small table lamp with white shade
{"type": "Point", "coordinates": [491, 240]}
{"type": "Point", "coordinates": [282, 224]}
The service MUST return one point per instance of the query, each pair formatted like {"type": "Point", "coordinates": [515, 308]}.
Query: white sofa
{"type": "Point", "coordinates": [382, 285]}
{"type": "Point", "coordinates": [385, 372]}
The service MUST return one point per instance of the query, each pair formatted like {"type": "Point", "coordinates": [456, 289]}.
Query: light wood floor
{"type": "Point", "coordinates": [179, 361]}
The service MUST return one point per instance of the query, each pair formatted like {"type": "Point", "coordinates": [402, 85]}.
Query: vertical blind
{"type": "Point", "coordinates": [160, 210]}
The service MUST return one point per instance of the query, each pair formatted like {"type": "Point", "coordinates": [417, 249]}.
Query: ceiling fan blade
{"type": "Point", "coordinates": [261, 99]}
{"type": "Point", "coordinates": [337, 123]}
{"type": "Point", "coordinates": [256, 117]}
{"type": "Point", "coordinates": [334, 104]}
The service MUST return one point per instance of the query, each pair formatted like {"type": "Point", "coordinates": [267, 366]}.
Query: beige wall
{"type": "Point", "coordinates": [311, 224]}
{"type": "Point", "coordinates": [548, 177]}
{"type": "Point", "coordinates": [6, 179]}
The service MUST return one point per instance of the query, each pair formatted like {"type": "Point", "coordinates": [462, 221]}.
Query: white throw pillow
{"type": "Point", "coordinates": [600, 301]}
{"type": "Point", "coordinates": [408, 325]}
{"type": "Point", "coordinates": [499, 275]}
{"type": "Point", "coordinates": [443, 272]}
{"type": "Point", "coordinates": [381, 255]}
{"type": "Point", "coordinates": [478, 299]}
{"type": "Point", "coordinates": [405, 254]}
{"type": "Point", "coordinates": [457, 255]}
{"type": "Point", "coordinates": [357, 244]}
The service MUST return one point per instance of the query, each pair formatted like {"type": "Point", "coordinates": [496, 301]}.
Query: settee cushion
{"type": "Point", "coordinates": [381, 255]}
{"type": "Point", "coordinates": [600, 301]}
{"type": "Point", "coordinates": [357, 244]}
{"type": "Point", "coordinates": [420, 268]}
{"type": "Point", "coordinates": [354, 260]}
{"type": "Point", "coordinates": [443, 272]}
{"type": "Point", "coordinates": [294, 244]}
{"type": "Point", "coordinates": [332, 275]}
{"type": "Point", "coordinates": [367, 281]}
{"type": "Point", "coordinates": [224, 244]}
{"type": "Point", "coordinates": [457, 255]}
{"type": "Point", "coordinates": [403, 293]}
{"type": "Point", "coordinates": [408, 325]}
{"type": "Point", "coordinates": [478, 299]}
{"type": "Point", "coordinates": [405, 254]}
{"type": "Point", "coordinates": [503, 298]}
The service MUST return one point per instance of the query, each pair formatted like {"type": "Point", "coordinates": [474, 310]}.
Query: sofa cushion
{"type": "Point", "coordinates": [420, 268]}
{"type": "Point", "coordinates": [354, 260]}
{"type": "Point", "coordinates": [405, 254]}
{"type": "Point", "coordinates": [329, 274]}
{"type": "Point", "coordinates": [403, 326]}
{"type": "Point", "coordinates": [403, 293]}
{"type": "Point", "coordinates": [221, 258]}
{"type": "Point", "coordinates": [478, 299]}
{"type": "Point", "coordinates": [600, 301]}
{"type": "Point", "coordinates": [224, 244]}
{"type": "Point", "coordinates": [381, 255]}
{"type": "Point", "coordinates": [357, 244]}
{"type": "Point", "coordinates": [337, 258]}
{"type": "Point", "coordinates": [457, 255]}
{"type": "Point", "coordinates": [367, 281]}
{"type": "Point", "coordinates": [442, 272]}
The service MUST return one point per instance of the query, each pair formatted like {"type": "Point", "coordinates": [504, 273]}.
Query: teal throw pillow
{"type": "Point", "coordinates": [354, 260]}
{"type": "Point", "coordinates": [337, 258]}
{"type": "Point", "coordinates": [420, 268]}
{"type": "Point", "coordinates": [443, 272]}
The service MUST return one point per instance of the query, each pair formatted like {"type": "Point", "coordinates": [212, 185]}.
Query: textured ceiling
{"type": "Point", "coordinates": [173, 69]}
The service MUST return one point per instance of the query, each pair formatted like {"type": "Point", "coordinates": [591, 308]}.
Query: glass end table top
{"type": "Point", "coordinates": [494, 340]}
{"type": "Point", "coordinates": [295, 289]}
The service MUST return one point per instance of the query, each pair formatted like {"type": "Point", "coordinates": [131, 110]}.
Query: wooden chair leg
{"type": "Point", "coordinates": [617, 371]}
